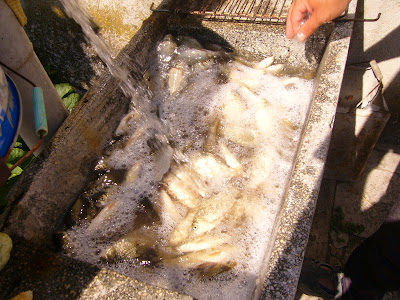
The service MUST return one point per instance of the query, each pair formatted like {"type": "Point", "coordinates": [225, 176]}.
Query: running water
{"type": "Point", "coordinates": [121, 72]}
{"type": "Point", "coordinates": [134, 88]}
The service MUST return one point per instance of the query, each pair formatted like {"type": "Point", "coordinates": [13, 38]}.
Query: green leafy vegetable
{"type": "Point", "coordinates": [338, 224]}
{"type": "Point", "coordinates": [19, 150]}
{"type": "Point", "coordinates": [64, 89]}
{"type": "Point", "coordinates": [71, 101]}
{"type": "Point", "coordinates": [68, 95]}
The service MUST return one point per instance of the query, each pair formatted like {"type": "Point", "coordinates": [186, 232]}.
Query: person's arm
{"type": "Point", "coordinates": [305, 16]}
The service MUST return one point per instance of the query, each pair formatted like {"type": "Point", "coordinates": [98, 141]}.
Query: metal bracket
{"type": "Point", "coordinates": [175, 11]}
{"type": "Point", "coordinates": [343, 19]}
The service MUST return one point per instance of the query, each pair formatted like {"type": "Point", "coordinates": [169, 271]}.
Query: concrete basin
{"type": "Point", "coordinates": [45, 193]}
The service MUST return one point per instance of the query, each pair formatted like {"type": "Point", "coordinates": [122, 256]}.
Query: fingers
{"type": "Point", "coordinates": [308, 28]}
{"type": "Point", "coordinates": [298, 25]}
{"type": "Point", "coordinates": [296, 15]}
{"type": "Point", "coordinates": [289, 28]}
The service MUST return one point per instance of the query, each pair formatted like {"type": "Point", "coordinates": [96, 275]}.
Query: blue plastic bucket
{"type": "Point", "coordinates": [10, 119]}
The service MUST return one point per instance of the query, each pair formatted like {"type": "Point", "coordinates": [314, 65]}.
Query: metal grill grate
{"type": "Point", "coordinates": [254, 11]}
{"type": "Point", "coordinates": [251, 11]}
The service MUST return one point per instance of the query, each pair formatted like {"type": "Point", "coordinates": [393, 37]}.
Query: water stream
{"type": "Point", "coordinates": [123, 70]}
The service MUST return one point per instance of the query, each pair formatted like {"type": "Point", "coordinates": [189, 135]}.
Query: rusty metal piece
{"type": "Point", "coordinates": [5, 172]}
{"type": "Point", "coordinates": [355, 133]}
{"type": "Point", "coordinates": [344, 19]}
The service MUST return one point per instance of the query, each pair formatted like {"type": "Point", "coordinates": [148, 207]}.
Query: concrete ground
{"type": "Point", "coordinates": [355, 209]}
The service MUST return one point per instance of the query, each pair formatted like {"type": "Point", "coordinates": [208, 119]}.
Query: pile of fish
{"type": "Point", "coordinates": [190, 183]}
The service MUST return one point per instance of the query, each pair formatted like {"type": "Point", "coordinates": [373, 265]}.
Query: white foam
{"type": "Point", "coordinates": [261, 130]}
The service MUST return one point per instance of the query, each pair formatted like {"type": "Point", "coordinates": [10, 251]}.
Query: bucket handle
{"type": "Point", "coordinates": [41, 128]}
{"type": "Point", "coordinates": [378, 88]}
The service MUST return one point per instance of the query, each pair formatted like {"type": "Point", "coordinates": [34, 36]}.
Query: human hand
{"type": "Point", "coordinates": [305, 16]}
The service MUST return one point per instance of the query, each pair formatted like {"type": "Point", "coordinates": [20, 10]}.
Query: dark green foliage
{"type": "Point", "coordinates": [338, 225]}
{"type": "Point", "coordinates": [68, 95]}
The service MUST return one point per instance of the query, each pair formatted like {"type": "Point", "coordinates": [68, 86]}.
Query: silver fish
{"type": "Point", "coordinates": [209, 262]}
{"type": "Point", "coordinates": [167, 48]}
{"type": "Point", "coordinates": [130, 247]}
{"type": "Point", "coordinates": [177, 78]}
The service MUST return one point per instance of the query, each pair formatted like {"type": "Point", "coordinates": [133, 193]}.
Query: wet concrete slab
{"type": "Point", "coordinates": [362, 205]}
{"type": "Point", "coordinates": [367, 200]}
{"type": "Point", "coordinates": [52, 276]}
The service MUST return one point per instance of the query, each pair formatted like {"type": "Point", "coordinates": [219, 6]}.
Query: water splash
{"type": "Point", "coordinates": [121, 72]}
{"type": "Point", "coordinates": [128, 73]}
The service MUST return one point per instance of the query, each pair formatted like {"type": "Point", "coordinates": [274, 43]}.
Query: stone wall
{"type": "Point", "coordinates": [62, 47]}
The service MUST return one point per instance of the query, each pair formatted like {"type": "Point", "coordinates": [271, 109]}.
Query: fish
{"type": "Point", "coordinates": [107, 197]}
{"type": "Point", "coordinates": [259, 169]}
{"type": "Point", "coordinates": [167, 208]}
{"type": "Point", "coordinates": [209, 262]}
{"type": "Point", "coordinates": [98, 225]}
{"type": "Point", "coordinates": [100, 185]}
{"type": "Point", "coordinates": [211, 169]}
{"type": "Point", "coordinates": [193, 179]}
{"type": "Point", "coordinates": [245, 75]}
{"type": "Point", "coordinates": [177, 77]}
{"type": "Point", "coordinates": [128, 124]}
{"type": "Point", "coordinates": [212, 211]}
{"type": "Point", "coordinates": [233, 108]}
{"type": "Point", "coordinates": [290, 82]}
{"type": "Point", "coordinates": [130, 247]}
{"type": "Point", "coordinates": [122, 250]}
{"type": "Point", "coordinates": [210, 269]}
{"type": "Point", "coordinates": [189, 42]}
{"type": "Point", "coordinates": [230, 159]}
{"type": "Point", "coordinates": [166, 48]}
{"type": "Point", "coordinates": [213, 134]}
{"type": "Point", "coordinates": [289, 124]}
{"type": "Point", "coordinates": [202, 66]}
{"type": "Point", "coordinates": [136, 136]}
{"type": "Point", "coordinates": [264, 120]}
{"type": "Point", "coordinates": [82, 210]}
{"type": "Point", "coordinates": [192, 56]}
{"type": "Point", "coordinates": [90, 201]}
{"type": "Point", "coordinates": [203, 242]}
{"type": "Point", "coordinates": [276, 69]}
{"type": "Point", "coordinates": [206, 189]}
{"type": "Point", "coordinates": [243, 136]}
{"type": "Point", "coordinates": [183, 191]}
{"type": "Point", "coordinates": [183, 229]}
{"type": "Point", "coordinates": [252, 101]}
{"type": "Point", "coordinates": [265, 63]}
{"type": "Point", "coordinates": [133, 173]}
{"type": "Point", "coordinates": [163, 158]}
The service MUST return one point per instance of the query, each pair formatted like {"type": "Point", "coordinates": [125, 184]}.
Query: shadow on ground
{"type": "Point", "coordinates": [60, 44]}
{"type": "Point", "coordinates": [366, 202]}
